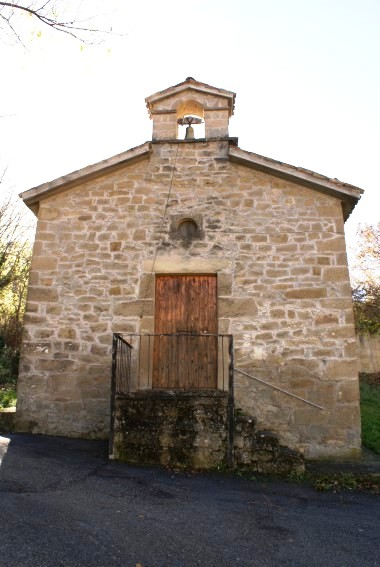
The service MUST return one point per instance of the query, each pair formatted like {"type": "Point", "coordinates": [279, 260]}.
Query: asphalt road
{"type": "Point", "coordinates": [63, 504]}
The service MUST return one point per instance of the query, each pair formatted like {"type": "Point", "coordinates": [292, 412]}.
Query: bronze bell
{"type": "Point", "coordinates": [189, 133]}
{"type": "Point", "coordinates": [189, 120]}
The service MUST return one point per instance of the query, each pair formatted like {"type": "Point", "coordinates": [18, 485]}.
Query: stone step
{"type": "Point", "coordinates": [260, 451]}
{"type": "Point", "coordinates": [7, 420]}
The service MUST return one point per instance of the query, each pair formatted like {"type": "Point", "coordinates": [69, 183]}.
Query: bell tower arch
{"type": "Point", "coordinates": [209, 104]}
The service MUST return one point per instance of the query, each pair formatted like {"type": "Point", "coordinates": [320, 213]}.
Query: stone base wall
{"type": "Point", "coordinates": [174, 429]}
{"type": "Point", "coordinates": [194, 430]}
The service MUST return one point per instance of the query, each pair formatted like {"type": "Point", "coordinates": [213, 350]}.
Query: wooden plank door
{"type": "Point", "coordinates": [186, 310]}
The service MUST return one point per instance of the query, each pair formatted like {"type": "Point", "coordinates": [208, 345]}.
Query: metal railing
{"type": "Point", "coordinates": [286, 392]}
{"type": "Point", "coordinates": [121, 364]}
{"type": "Point", "coordinates": [180, 361]}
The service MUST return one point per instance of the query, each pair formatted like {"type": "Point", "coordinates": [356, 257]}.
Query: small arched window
{"type": "Point", "coordinates": [187, 229]}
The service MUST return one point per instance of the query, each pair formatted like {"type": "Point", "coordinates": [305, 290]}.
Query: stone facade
{"type": "Point", "coordinates": [277, 247]}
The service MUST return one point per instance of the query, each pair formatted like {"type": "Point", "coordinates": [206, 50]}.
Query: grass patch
{"type": "Point", "coordinates": [370, 410]}
{"type": "Point", "coordinates": [8, 397]}
{"type": "Point", "coordinates": [342, 482]}
{"type": "Point", "coordinates": [323, 482]}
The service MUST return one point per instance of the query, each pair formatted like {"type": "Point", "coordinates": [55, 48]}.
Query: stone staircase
{"type": "Point", "coordinates": [260, 451]}
{"type": "Point", "coordinates": [192, 430]}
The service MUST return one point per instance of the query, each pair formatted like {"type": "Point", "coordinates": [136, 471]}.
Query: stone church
{"type": "Point", "coordinates": [188, 285]}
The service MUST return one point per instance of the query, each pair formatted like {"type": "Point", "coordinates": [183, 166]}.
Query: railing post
{"type": "Point", "coordinates": [230, 409]}
{"type": "Point", "coordinates": [113, 392]}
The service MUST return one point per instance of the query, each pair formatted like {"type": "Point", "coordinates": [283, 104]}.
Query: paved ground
{"type": "Point", "coordinates": [63, 504]}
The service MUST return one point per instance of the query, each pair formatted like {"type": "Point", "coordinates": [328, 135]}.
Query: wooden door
{"type": "Point", "coordinates": [186, 311]}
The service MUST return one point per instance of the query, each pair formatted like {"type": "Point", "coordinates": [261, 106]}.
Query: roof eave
{"type": "Point", "coordinates": [32, 197]}
{"type": "Point", "coordinates": [348, 194]}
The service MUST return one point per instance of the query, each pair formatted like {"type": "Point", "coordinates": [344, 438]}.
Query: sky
{"type": "Point", "coordinates": [306, 75]}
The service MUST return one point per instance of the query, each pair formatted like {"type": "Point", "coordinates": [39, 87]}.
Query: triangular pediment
{"type": "Point", "coordinates": [191, 84]}
{"type": "Point", "coordinates": [348, 194]}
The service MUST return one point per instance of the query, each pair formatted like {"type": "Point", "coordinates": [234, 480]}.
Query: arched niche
{"type": "Point", "coordinates": [190, 107]}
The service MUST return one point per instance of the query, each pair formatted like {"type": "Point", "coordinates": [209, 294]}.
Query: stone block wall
{"type": "Point", "coordinates": [368, 353]}
{"type": "Point", "coordinates": [174, 429]}
{"type": "Point", "coordinates": [283, 291]}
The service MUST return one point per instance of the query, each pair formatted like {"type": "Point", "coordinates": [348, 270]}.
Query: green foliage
{"type": "Point", "coordinates": [366, 301]}
{"type": "Point", "coordinates": [9, 359]}
{"type": "Point", "coordinates": [15, 257]}
{"type": "Point", "coordinates": [7, 398]}
{"type": "Point", "coordinates": [370, 411]}
{"type": "Point", "coordinates": [12, 303]}
{"type": "Point", "coordinates": [296, 476]}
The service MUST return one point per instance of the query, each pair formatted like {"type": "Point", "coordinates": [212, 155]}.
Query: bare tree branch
{"type": "Point", "coordinates": [12, 240]}
{"type": "Point", "coordinates": [47, 14]}
{"type": "Point", "coordinates": [366, 294]}
{"type": "Point", "coordinates": [15, 258]}
{"type": "Point", "coordinates": [368, 252]}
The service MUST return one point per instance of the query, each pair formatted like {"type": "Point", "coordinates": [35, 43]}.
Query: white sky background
{"type": "Point", "coordinates": [306, 74]}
